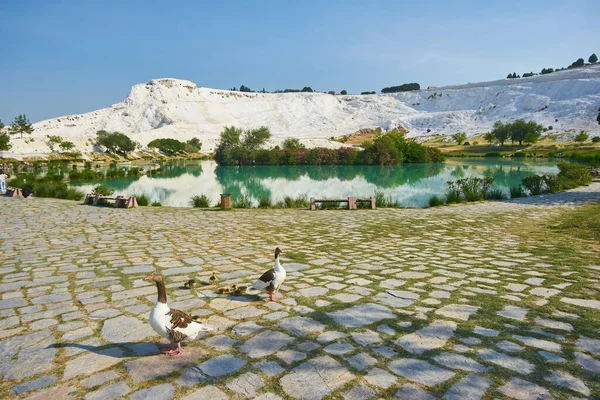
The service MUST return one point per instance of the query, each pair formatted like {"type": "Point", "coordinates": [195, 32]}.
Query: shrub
{"type": "Point", "coordinates": [474, 188]}
{"type": "Point", "coordinates": [200, 201]}
{"type": "Point", "coordinates": [582, 137]}
{"type": "Point", "coordinates": [265, 202]}
{"type": "Point", "coordinates": [156, 204]}
{"type": "Point", "coordinates": [574, 175]}
{"type": "Point", "coordinates": [453, 193]}
{"type": "Point", "coordinates": [435, 201]}
{"type": "Point", "coordinates": [102, 190]}
{"type": "Point", "coordinates": [536, 184]}
{"type": "Point", "coordinates": [495, 194]}
{"type": "Point", "coordinates": [596, 139]}
{"type": "Point", "coordinates": [301, 201]}
{"type": "Point", "coordinates": [133, 171]}
{"type": "Point", "coordinates": [288, 202]}
{"type": "Point", "coordinates": [242, 202]}
{"type": "Point", "coordinates": [466, 144]}
{"type": "Point", "coordinates": [142, 199]}
{"type": "Point", "coordinates": [74, 194]}
{"type": "Point", "coordinates": [517, 191]}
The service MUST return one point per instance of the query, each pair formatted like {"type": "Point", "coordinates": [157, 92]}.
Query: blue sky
{"type": "Point", "coordinates": [69, 57]}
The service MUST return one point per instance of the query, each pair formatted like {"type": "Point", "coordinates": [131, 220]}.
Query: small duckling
{"type": "Point", "coordinates": [213, 279]}
{"type": "Point", "coordinates": [237, 290]}
{"type": "Point", "coordinates": [191, 284]}
{"type": "Point", "coordinates": [223, 290]}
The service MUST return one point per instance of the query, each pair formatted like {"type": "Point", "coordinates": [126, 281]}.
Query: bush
{"type": "Point", "coordinates": [102, 190]}
{"type": "Point", "coordinates": [133, 171]}
{"type": "Point", "coordinates": [474, 188]}
{"type": "Point", "coordinates": [495, 194]}
{"type": "Point", "coordinates": [200, 201]}
{"type": "Point", "coordinates": [574, 175]}
{"type": "Point", "coordinates": [596, 139]}
{"type": "Point", "coordinates": [241, 202]}
{"type": "Point", "coordinates": [435, 201]}
{"type": "Point", "coordinates": [536, 184]}
{"type": "Point", "coordinates": [265, 202]}
{"type": "Point", "coordinates": [582, 137]}
{"type": "Point", "coordinates": [156, 204]}
{"type": "Point", "coordinates": [142, 199]}
{"type": "Point", "coordinates": [453, 193]}
{"type": "Point", "coordinates": [517, 191]}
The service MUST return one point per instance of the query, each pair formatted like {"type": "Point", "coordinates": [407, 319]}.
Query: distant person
{"type": "Point", "coordinates": [28, 191]}
{"type": "Point", "coordinates": [3, 177]}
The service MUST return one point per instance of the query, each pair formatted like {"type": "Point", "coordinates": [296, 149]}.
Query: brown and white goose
{"type": "Point", "coordinates": [271, 280]}
{"type": "Point", "coordinates": [170, 323]}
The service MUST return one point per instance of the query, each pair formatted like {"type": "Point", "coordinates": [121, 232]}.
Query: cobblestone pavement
{"type": "Point", "coordinates": [411, 304]}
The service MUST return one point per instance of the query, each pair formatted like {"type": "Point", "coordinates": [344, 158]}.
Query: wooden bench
{"type": "Point", "coordinates": [13, 192]}
{"type": "Point", "coordinates": [120, 201]}
{"type": "Point", "coordinates": [352, 201]}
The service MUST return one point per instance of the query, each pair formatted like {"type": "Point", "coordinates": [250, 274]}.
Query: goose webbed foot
{"type": "Point", "coordinates": [178, 352]}
{"type": "Point", "coordinates": [169, 351]}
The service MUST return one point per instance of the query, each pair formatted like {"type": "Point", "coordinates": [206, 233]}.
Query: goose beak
{"type": "Point", "coordinates": [148, 278]}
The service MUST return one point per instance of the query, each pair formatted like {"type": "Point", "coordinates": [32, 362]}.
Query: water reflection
{"type": "Point", "coordinates": [411, 185]}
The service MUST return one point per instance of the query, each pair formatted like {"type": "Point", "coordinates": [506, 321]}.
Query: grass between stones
{"type": "Point", "coordinates": [373, 245]}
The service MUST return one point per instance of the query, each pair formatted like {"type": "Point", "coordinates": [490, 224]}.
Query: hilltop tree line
{"type": "Point", "coordinates": [307, 89]}
{"type": "Point", "coordinates": [593, 59]}
{"type": "Point", "coordinates": [245, 147]}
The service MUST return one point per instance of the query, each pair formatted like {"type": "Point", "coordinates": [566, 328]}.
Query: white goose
{"type": "Point", "coordinates": [271, 280]}
{"type": "Point", "coordinates": [172, 324]}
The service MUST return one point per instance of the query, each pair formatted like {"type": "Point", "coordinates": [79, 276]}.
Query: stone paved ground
{"type": "Point", "coordinates": [412, 304]}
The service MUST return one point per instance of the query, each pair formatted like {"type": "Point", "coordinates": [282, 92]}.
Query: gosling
{"type": "Point", "coordinates": [191, 284]}
{"type": "Point", "coordinates": [237, 290]}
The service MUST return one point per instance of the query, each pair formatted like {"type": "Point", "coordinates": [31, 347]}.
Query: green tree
{"type": "Point", "coordinates": [489, 137]}
{"type": "Point", "coordinates": [344, 92]}
{"type": "Point", "coordinates": [459, 137]}
{"type": "Point", "coordinates": [168, 146]}
{"type": "Point", "coordinates": [292, 144]}
{"type": "Point", "coordinates": [21, 125]}
{"type": "Point", "coordinates": [53, 140]}
{"type": "Point", "coordinates": [501, 132]}
{"type": "Point", "coordinates": [66, 146]}
{"type": "Point", "coordinates": [115, 142]}
{"type": "Point", "coordinates": [4, 139]}
{"type": "Point", "coordinates": [578, 63]}
{"type": "Point", "coordinates": [521, 131]}
{"type": "Point", "coordinates": [307, 89]}
{"type": "Point", "coordinates": [593, 58]}
{"type": "Point", "coordinates": [582, 137]}
{"type": "Point", "coordinates": [193, 145]}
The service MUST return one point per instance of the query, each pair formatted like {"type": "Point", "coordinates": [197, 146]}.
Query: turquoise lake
{"type": "Point", "coordinates": [410, 184]}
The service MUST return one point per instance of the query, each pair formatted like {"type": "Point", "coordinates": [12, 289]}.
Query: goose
{"type": "Point", "coordinates": [237, 290]}
{"type": "Point", "coordinates": [271, 280]}
{"type": "Point", "coordinates": [213, 279]}
{"type": "Point", "coordinates": [191, 284]}
{"type": "Point", "coordinates": [170, 323]}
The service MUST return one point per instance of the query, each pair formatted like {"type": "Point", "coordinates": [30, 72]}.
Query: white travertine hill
{"type": "Point", "coordinates": [174, 108]}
